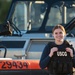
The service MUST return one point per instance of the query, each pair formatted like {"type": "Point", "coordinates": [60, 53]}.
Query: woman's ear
{"type": "Point", "coordinates": [64, 34]}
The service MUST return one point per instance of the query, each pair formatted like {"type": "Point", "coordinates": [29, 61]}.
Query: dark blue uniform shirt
{"type": "Point", "coordinates": [45, 58]}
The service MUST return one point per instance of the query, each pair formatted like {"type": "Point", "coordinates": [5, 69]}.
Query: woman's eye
{"type": "Point", "coordinates": [60, 32]}
{"type": "Point", "coordinates": [56, 33]}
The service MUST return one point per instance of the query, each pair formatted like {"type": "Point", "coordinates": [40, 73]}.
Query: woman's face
{"type": "Point", "coordinates": [58, 35]}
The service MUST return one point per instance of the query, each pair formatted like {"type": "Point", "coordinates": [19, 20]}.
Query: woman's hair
{"type": "Point", "coordinates": [59, 27]}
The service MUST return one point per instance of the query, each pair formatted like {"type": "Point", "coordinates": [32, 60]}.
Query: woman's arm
{"type": "Point", "coordinates": [73, 58]}
{"type": "Point", "coordinates": [45, 58]}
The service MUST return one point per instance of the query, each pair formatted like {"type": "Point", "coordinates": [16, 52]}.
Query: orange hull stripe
{"type": "Point", "coordinates": [19, 64]}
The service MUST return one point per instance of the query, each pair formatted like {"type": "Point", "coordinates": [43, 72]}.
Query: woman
{"type": "Point", "coordinates": [57, 46]}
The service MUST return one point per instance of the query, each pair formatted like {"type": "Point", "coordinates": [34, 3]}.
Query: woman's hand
{"type": "Point", "coordinates": [70, 51]}
{"type": "Point", "coordinates": [54, 49]}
